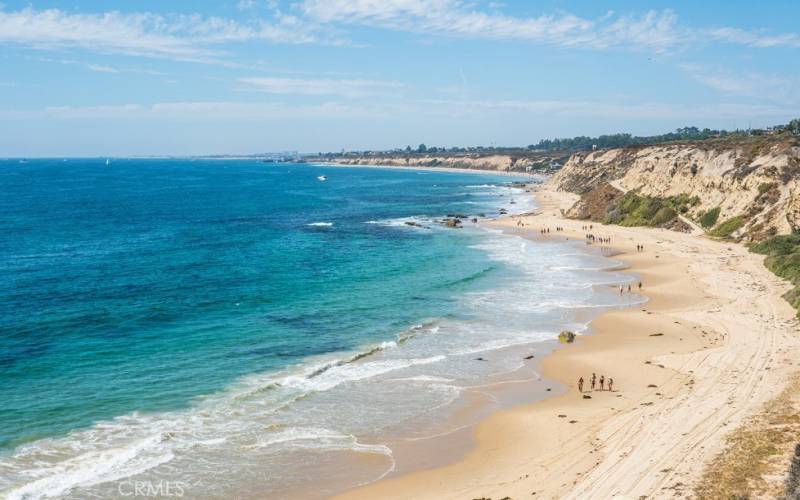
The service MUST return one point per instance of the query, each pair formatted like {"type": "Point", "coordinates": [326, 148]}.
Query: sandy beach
{"type": "Point", "coordinates": [712, 345]}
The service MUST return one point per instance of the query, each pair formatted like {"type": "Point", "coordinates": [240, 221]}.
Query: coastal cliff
{"type": "Point", "coordinates": [749, 184]}
{"type": "Point", "coordinates": [523, 162]}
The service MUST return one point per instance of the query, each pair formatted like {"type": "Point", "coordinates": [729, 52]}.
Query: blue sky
{"type": "Point", "coordinates": [243, 76]}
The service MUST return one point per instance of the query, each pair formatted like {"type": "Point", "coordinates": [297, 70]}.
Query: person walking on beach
{"type": "Point", "coordinates": [640, 286]}
{"type": "Point", "coordinates": [629, 288]}
{"type": "Point", "coordinates": [594, 380]}
{"type": "Point", "coordinates": [620, 289]}
{"type": "Point", "coordinates": [602, 381]}
{"type": "Point", "coordinates": [610, 384]}
{"type": "Point", "coordinates": [580, 384]}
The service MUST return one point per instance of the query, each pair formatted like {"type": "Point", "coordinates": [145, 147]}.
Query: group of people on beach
{"type": "Point", "coordinates": [546, 230]}
{"type": "Point", "coordinates": [640, 248]}
{"type": "Point", "coordinates": [592, 238]}
{"type": "Point", "coordinates": [520, 223]}
{"type": "Point", "coordinates": [622, 288]}
{"type": "Point", "coordinates": [593, 381]}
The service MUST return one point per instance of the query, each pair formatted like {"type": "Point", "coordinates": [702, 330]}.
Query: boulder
{"type": "Point", "coordinates": [566, 337]}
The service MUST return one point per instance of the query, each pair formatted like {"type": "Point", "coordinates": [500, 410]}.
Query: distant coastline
{"type": "Point", "coordinates": [526, 175]}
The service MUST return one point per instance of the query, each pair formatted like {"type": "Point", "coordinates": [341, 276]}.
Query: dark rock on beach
{"type": "Point", "coordinates": [566, 337]}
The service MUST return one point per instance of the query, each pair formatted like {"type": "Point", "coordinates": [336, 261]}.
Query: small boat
{"type": "Point", "coordinates": [322, 178]}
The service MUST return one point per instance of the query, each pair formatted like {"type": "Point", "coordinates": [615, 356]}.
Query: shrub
{"type": "Point", "coordinates": [637, 210]}
{"type": "Point", "coordinates": [766, 187]}
{"type": "Point", "coordinates": [664, 215]}
{"type": "Point", "coordinates": [709, 218]}
{"type": "Point", "coordinates": [779, 245]}
{"type": "Point", "coordinates": [783, 259]}
{"type": "Point", "coordinates": [727, 228]}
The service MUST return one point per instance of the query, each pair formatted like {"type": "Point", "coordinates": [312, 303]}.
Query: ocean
{"type": "Point", "coordinates": [233, 328]}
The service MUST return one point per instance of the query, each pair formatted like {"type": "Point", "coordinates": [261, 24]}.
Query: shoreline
{"type": "Point", "coordinates": [687, 365]}
{"type": "Point", "coordinates": [430, 169]}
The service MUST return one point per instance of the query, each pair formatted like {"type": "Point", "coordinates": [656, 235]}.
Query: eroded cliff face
{"type": "Point", "coordinates": [755, 178]}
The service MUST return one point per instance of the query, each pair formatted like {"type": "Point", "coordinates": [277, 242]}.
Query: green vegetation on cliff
{"type": "Point", "coordinates": [637, 210]}
{"type": "Point", "coordinates": [708, 219]}
{"type": "Point", "coordinates": [725, 229]}
{"type": "Point", "coordinates": [783, 259]}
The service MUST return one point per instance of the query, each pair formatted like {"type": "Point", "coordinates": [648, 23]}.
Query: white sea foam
{"type": "Point", "coordinates": [410, 223]}
{"type": "Point", "coordinates": [315, 438]}
{"type": "Point", "coordinates": [320, 224]}
{"type": "Point", "coordinates": [94, 467]}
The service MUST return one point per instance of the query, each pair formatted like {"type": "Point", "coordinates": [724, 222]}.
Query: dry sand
{"type": "Point", "coordinates": [713, 344]}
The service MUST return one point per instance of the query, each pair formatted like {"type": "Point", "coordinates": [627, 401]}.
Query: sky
{"type": "Point", "coordinates": [100, 78]}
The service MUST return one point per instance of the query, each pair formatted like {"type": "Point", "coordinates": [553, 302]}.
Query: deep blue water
{"type": "Point", "coordinates": [143, 284]}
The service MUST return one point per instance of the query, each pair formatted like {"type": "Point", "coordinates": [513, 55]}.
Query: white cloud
{"type": "Point", "coordinates": [200, 110]}
{"type": "Point", "coordinates": [101, 68]}
{"type": "Point", "coordinates": [194, 37]}
{"type": "Point", "coordinates": [770, 87]}
{"type": "Point", "coordinates": [133, 34]}
{"type": "Point", "coordinates": [654, 30]}
{"type": "Point", "coordinates": [753, 39]}
{"type": "Point", "coordinates": [343, 88]}
{"type": "Point", "coordinates": [185, 37]}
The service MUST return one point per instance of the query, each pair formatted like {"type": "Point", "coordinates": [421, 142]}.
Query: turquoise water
{"type": "Point", "coordinates": [191, 319]}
